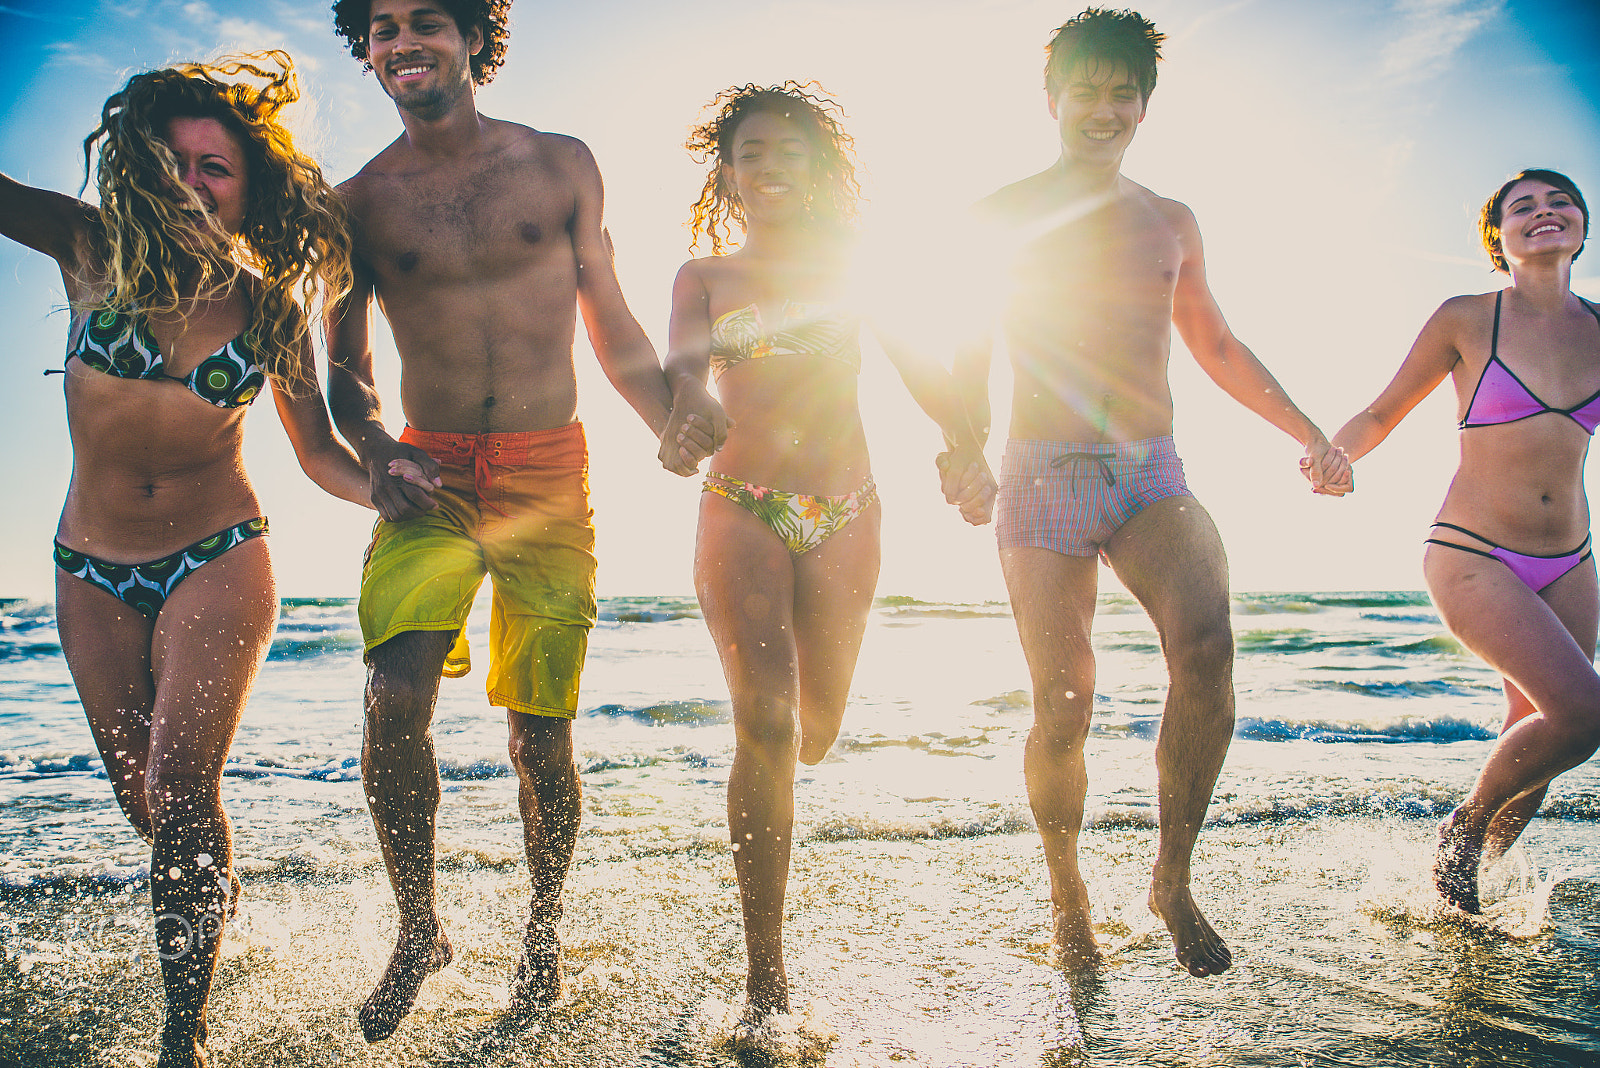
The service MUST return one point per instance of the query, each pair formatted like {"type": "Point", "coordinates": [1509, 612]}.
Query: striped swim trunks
{"type": "Point", "coordinates": [1071, 497]}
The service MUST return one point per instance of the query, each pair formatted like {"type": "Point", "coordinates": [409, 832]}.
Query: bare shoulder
{"type": "Point", "coordinates": [1464, 312]}
{"type": "Point", "coordinates": [1177, 214]}
{"type": "Point", "coordinates": [387, 165]}
{"type": "Point", "coordinates": [544, 149]}
{"type": "Point", "coordinates": [1015, 202]}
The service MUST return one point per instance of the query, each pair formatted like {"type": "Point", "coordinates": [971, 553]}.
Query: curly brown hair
{"type": "Point", "coordinates": [294, 236]}
{"type": "Point", "coordinates": [833, 153]}
{"type": "Point", "coordinates": [1490, 218]}
{"type": "Point", "coordinates": [352, 20]}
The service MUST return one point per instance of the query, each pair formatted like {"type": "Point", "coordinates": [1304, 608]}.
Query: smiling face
{"type": "Point", "coordinates": [420, 56]}
{"type": "Point", "coordinates": [1097, 111]}
{"type": "Point", "coordinates": [212, 162]}
{"type": "Point", "coordinates": [1538, 219]}
{"type": "Point", "coordinates": [770, 167]}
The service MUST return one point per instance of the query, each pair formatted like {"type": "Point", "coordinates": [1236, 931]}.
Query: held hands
{"type": "Point", "coordinates": [696, 429]}
{"type": "Point", "coordinates": [967, 483]}
{"type": "Point", "coordinates": [1327, 468]}
{"type": "Point", "coordinates": [403, 479]}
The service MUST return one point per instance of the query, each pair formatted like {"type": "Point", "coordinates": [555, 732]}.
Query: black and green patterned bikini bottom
{"type": "Point", "coordinates": [146, 587]}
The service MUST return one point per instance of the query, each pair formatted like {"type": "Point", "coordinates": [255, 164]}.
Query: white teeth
{"type": "Point", "coordinates": [1545, 229]}
{"type": "Point", "coordinates": [404, 72]}
{"type": "Point", "coordinates": [1099, 135]}
{"type": "Point", "coordinates": [772, 190]}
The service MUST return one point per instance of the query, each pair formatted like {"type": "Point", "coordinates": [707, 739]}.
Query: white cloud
{"type": "Point", "coordinates": [1429, 33]}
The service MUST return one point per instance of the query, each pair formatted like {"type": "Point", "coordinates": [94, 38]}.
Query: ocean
{"type": "Point", "coordinates": [917, 927]}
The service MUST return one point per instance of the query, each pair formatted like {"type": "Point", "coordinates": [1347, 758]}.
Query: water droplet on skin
{"type": "Point", "coordinates": [204, 860]}
{"type": "Point", "coordinates": [175, 874]}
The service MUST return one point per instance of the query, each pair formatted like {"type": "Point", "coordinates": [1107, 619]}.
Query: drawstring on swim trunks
{"type": "Point", "coordinates": [1075, 458]}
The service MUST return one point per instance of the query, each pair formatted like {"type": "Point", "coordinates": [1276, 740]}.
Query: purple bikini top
{"type": "Point", "coordinates": [1501, 396]}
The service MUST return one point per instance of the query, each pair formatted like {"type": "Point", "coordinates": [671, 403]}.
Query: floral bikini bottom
{"type": "Point", "coordinates": [802, 520]}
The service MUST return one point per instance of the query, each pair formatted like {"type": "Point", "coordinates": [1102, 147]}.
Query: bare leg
{"type": "Point", "coordinates": [107, 646]}
{"type": "Point", "coordinates": [1171, 558]}
{"type": "Point", "coordinates": [1543, 644]}
{"type": "Point", "coordinates": [550, 796]}
{"type": "Point", "coordinates": [1508, 824]}
{"type": "Point", "coordinates": [745, 581]}
{"type": "Point", "coordinates": [834, 584]}
{"type": "Point", "coordinates": [1052, 599]}
{"type": "Point", "coordinates": [202, 656]}
{"type": "Point", "coordinates": [401, 777]}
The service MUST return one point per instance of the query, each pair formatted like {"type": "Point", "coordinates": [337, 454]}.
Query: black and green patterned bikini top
{"type": "Point", "coordinates": [231, 377]}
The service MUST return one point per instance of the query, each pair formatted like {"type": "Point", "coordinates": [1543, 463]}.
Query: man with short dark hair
{"type": "Point", "coordinates": [481, 239]}
{"type": "Point", "coordinates": [1104, 268]}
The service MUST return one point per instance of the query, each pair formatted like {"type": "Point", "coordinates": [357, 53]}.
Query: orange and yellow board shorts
{"type": "Point", "coordinates": [514, 506]}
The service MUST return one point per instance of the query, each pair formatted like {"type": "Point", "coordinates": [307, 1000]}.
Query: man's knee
{"type": "Point", "coordinates": [1201, 648]}
{"type": "Point", "coordinates": [403, 679]}
{"type": "Point", "coordinates": [540, 746]}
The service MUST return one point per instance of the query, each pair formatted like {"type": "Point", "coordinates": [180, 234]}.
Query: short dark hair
{"type": "Point", "coordinates": [352, 20]}
{"type": "Point", "coordinates": [1107, 36]}
{"type": "Point", "coordinates": [1490, 218]}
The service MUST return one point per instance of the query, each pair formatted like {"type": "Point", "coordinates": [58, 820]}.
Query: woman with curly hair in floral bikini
{"type": "Point", "coordinates": [188, 285]}
{"type": "Point", "coordinates": [786, 557]}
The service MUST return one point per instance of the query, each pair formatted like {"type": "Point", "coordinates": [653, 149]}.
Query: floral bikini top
{"type": "Point", "coordinates": [806, 330]}
{"type": "Point", "coordinates": [107, 342]}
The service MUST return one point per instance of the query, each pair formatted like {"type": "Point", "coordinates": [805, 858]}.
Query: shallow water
{"type": "Point", "coordinates": [917, 923]}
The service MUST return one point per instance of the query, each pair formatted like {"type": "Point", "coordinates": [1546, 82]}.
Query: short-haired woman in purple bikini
{"type": "Point", "coordinates": [1508, 562]}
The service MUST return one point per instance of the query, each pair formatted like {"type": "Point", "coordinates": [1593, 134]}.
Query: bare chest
{"type": "Point", "coordinates": [478, 225]}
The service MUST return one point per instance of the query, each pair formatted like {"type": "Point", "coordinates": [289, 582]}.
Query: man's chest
{"type": "Point", "coordinates": [477, 224]}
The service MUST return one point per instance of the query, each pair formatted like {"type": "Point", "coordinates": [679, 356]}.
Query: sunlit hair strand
{"type": "Point", "coordinates": [293, 236]}
{"type": "Point", "coordinates": [833, 202]}
{"type": "Point", "coordinates": [1105, 36]}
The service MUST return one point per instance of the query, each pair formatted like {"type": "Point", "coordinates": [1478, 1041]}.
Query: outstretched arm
{"type": "Point", "coordinates": [1231, 365]}
{"type": "Point", "coordinates": [697, 425]}
{"type": "Point", "coordinates": [57, 225]}
{"type": "Point", "coordinates": [353, 397]}
{"type": "Point", "coordinates": [1433, 355]}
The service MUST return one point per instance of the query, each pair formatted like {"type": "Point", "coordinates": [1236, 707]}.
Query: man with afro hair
{"type": "Point", "coordinates": [481, 240]}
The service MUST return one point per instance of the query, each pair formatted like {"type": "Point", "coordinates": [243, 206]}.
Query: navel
{"type": "Point", "coordinates": [407, 261]}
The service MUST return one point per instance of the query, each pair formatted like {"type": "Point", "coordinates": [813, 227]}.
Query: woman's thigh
{"type": "Point", "coordinates": [210, 640]}
{"type": "Point", "coordinates": [744, 577]}
{"type": "Point", "coordinates": [1544, 645]}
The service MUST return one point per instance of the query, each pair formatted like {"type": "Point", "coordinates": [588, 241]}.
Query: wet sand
{"type": "Point", "coordinates": [925, 952]}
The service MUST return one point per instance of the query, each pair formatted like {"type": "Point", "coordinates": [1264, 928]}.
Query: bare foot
{"type": "Point", "coordinates": [413, 961]}
{"type": "Point", "coordinates": [752, 1033]}
{"type": "Point", "coordinates": [539, 979]}
{"type": "Point", "coordinates": [766, 993]}
{"type": "Point", "coordinates": [183, 1051]}
{"type": "Point", "coordinates": [1075, 944]}
{"type": "Point", "coordinates": [1199, 948]}
{"type": "Point", "coordinates": [1455, 865]}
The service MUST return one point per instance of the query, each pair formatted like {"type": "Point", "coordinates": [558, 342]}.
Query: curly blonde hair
{"type": "Point", "coordinates": [807, 104]}
{"type": "Point", "coordinates": [294, 236]}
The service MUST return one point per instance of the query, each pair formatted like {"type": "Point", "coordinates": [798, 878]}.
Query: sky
{"type": "Point", "coordinates": [1335, 155]}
